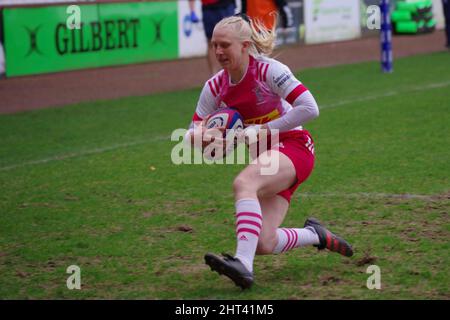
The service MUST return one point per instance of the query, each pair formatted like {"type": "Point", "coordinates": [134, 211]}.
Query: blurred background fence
{"type": "Point", "coordinates": [36, 37]}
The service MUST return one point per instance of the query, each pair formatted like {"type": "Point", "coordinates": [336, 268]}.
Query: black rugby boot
{"type": "Point", "coordinates": [328, 239]}
{"type": "Point", "coordinates": [231, 267]}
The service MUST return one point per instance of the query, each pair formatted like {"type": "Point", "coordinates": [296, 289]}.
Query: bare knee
{"type": "Point", "coordinates": [239, 184]}
{"type": "Point", "coordinates": [243, 187]}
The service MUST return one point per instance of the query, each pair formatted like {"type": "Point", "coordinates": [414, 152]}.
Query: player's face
{"type": "Point", "coordinates": [228, 50]}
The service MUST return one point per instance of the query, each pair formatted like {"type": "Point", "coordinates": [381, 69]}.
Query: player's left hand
{"type": "Point", "coordinates": [213, 136]}
{"type": "Point", "coordinates": [217, 142]}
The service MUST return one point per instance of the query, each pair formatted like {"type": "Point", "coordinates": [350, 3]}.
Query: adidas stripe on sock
{"type": "Point", "coordinates": [248, 228]}
{"type": "Point", "coordinates": [290, 238]}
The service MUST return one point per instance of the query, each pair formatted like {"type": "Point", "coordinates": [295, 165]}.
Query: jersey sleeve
{"type": "Point", "coordinates": [206, 103]}
{"type": "Point", "coordinates": [283, 82]}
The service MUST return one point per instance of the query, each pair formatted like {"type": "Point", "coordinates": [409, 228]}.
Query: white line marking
{"type": "Point", "coordinates": [369, 195]}
{"type": "Point", "coordinates": [85, 153]}
{"type": "Point", "coordinates": [387, 94]}
{"type": "Point", "coordinates": [129, 144]}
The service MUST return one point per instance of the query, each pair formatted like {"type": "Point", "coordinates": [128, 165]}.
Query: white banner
{"type": "Point", "coordinates": [2, 60]}
{"type": "Point", "coordinates": [438, 14]}
{"type": "Point", "coordinates": [191, 36]}
{"type": "Point", "coordinates": [331, 20]}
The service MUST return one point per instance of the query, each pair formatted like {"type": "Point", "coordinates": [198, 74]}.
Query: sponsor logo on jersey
{"type": "Point", "coordinates": [281, 80]}
{"type": "Point", "coordinates": [263, 119]}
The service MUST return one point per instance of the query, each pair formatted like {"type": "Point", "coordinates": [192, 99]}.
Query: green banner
{"type": "Point", "coordinates": [38, 40]}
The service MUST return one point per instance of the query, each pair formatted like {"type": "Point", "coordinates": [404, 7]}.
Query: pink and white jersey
{"type": "Point", "coordinates": [265, 93]}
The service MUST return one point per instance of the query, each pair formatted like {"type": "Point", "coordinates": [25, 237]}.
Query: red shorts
{"type": "Point", "coordinates": [299, 147]}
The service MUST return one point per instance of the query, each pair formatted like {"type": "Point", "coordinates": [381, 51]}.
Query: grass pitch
{"type": "Point", "coordinates": [93, 185]}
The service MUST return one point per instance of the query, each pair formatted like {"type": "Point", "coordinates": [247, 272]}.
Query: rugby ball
{"type": "Point", "coordinates": [228, 118]}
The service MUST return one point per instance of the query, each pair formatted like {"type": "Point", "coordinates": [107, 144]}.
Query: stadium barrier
{"type": "Point", "coordinates": [37, 38]}
{"type": "Point", "coordinates": [332, 20]}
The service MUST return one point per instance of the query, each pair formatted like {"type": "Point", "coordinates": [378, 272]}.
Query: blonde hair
{"type": "Point", "coordinates": [262, 40]}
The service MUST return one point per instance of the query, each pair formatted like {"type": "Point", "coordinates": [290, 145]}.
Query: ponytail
{"type": "Point", "coordinates": [262, 40]}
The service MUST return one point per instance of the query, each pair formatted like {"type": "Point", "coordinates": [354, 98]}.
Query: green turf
{"type": "Point", "coordinates": [93, 185]}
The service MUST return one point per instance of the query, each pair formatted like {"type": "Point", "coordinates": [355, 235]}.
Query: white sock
{"type": "Point", "coordinates": [293, 238]}
{"type": "Point", "coordinates": [248, 228]}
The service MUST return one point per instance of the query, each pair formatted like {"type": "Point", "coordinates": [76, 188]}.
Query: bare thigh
{"type": "Point", "coordinates": [253, 182]}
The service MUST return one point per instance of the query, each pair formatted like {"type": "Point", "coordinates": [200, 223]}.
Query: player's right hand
{"type": "Point", "coordinates": [213, 135]}
{"type": "Point", "coordinates": [207, 136]}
